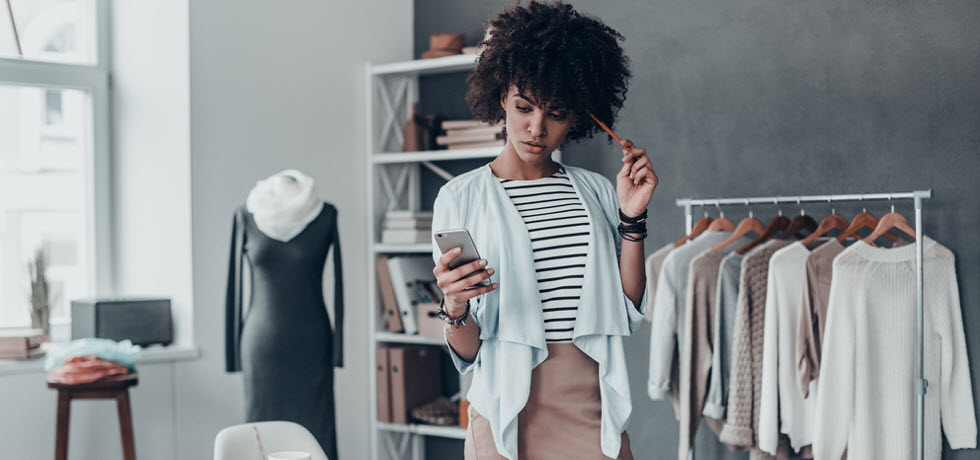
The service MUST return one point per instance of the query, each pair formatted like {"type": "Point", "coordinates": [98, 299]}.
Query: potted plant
{"type": "Point", "coordinates": [40, 302]}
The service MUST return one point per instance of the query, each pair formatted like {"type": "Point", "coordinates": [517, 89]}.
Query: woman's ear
{"type": "Point", "coordinates": [503, 100]}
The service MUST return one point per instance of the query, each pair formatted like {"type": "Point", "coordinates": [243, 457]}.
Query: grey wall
{"type": "Point", "coordinates": [278, 85]}
{"type": "Point", "coordinates": [760, 97]}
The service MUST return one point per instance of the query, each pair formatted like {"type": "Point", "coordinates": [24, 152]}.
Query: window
{"type": "Point", "coordinates": [54, 156]}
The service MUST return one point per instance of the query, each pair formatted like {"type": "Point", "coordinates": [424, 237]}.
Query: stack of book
{"type": "Point", "coordinates": [470, 134]}
{"type": "Point", "coordinates": [21, 343]}
{"type": "Point", "coordinates": [407, 227]}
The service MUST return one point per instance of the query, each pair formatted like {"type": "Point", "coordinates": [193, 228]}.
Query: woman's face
{"type": "Point", "coordinates": [534, 131]}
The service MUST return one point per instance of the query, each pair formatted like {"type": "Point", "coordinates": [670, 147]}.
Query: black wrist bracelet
{"type": "Point", "coordinates": [633, 232]}
{"type": "Point", "coordinates": [455, 322]}
{"type": "Point", "coordinates": [633, 220]}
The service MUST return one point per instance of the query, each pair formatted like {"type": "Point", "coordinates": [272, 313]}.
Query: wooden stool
{"type": "Point", "coordinates": [115, 387]}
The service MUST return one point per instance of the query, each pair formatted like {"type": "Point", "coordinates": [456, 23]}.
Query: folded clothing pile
{"type": "Point", "coordinates": [89, 360]}
{"type": "Point", "coordinates": [86, 369]}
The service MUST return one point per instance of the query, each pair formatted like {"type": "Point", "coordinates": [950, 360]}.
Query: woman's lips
{"type": "Point", "coordinates": [533, 148]}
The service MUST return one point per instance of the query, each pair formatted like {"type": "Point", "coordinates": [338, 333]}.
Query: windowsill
{"type": "Point", "coordinates": [153, 354]}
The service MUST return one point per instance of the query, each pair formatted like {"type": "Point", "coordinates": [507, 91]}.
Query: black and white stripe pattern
{"type": "Point", "coordinates": [559, 230]}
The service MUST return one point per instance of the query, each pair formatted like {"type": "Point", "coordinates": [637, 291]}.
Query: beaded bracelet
{"type": "Point", "coordinates": [455, 322]}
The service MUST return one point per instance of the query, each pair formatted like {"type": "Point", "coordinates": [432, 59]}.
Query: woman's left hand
{"type": "Point", "coordinates": [636, 180]}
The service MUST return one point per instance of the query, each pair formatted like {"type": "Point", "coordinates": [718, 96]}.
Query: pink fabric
{"type": "Point", "coordinates": [86, 369]}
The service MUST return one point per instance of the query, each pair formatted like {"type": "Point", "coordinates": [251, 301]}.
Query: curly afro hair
{"type": "Point", "coordinates": [554, 55]}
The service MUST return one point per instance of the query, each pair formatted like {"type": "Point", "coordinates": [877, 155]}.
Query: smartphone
{"type": "Point", "coordinates": [448, 239]}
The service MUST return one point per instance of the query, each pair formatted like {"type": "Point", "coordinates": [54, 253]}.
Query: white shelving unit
{"type": "Point", "coordinates": [394, 182]}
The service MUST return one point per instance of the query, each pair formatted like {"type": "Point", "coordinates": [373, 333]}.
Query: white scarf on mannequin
{"type": "Point", "coordinates": [284, 204]}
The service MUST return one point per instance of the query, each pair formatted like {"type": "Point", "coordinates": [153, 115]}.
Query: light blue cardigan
{"type": "Point", "coordinates": [510, 318]}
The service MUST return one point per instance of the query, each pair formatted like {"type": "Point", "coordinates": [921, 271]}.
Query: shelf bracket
{"type": "Point", "coordinates": [396, 444]}
{"type": "Point", "coordinates": [439, 171]}
{"type": "Point", "coordinates": [393, 102]}
{"type": "Point", "coordinates": [395, 184]}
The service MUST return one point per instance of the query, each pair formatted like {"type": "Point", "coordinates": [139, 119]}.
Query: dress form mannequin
{"type": "Point", "coordinates": [283, 343]}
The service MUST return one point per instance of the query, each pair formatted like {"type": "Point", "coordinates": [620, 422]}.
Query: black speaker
{"type": "Point", "coordinates": [144, 321]}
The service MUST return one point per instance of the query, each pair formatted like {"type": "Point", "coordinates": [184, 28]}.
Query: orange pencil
{"type": "Point", "coordinates": [603, 125]}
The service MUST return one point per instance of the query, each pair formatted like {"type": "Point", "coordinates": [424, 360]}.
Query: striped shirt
{"type": "Point", "coordinates": [559, 230]}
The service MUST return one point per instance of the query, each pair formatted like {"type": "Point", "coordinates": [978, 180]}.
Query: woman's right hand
{"type": "Point", "coordinates": [454, 286]}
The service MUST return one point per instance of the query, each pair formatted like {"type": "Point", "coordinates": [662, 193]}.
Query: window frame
{"type": "Point", "coordinates": [95, 79]}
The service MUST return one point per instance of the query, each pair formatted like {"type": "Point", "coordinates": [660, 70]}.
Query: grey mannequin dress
{"type": "Point", "coordinates": [284, 344]}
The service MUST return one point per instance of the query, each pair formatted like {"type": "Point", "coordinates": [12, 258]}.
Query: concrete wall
{"type": "Point", "coordinates": [760, 97]}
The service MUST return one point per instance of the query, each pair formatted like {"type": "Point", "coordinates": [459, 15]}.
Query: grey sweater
{"type": "Point", "coordinates": [726, 299]}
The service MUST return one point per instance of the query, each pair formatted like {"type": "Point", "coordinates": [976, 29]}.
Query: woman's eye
{"type": "Point", "coordinates": [523, 109]}
{"type": "Point", "coordinates": [558, 116]}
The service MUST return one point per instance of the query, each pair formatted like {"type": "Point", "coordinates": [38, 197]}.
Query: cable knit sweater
{"type": "Point", "coordinates": [866, 398]}
{"type": "Point", "coordinates": [742, 423]}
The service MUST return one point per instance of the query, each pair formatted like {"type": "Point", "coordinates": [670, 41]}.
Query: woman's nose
{"type": "Point", "coordinates": [536, 126]}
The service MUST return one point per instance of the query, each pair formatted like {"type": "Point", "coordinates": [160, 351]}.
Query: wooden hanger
{"type": "Point", "coordinates": [888, 222]}
{"type": "Point", "coordinates": [747, 225]}
{"type": "Point", "coordinates": [722, 223]}
{"type": "Point", "coordinates": [800, 222]}
{"type": "Point", "coordinates": [699, 227]}
{"type": "Point", "coordinates": [778, 223]}
{"type": "Point", "coordinates": [864, 219]}
{"type": "Point", "coordinates": [828, 223]}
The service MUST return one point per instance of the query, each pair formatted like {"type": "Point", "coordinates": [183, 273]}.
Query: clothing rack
{"type": "Point", "coordinates": [917, 195]}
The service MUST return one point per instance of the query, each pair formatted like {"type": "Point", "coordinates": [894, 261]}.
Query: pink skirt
{"type": "Point", "coordinates": [561, 420]}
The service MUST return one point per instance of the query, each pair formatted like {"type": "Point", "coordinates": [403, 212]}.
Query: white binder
{"type": "Point", "coordinates": [406, 271]}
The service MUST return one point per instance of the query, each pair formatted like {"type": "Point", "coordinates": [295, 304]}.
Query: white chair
{"type": "Point", "coordinates": [240, 442]}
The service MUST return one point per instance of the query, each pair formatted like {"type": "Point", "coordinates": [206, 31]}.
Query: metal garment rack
{"type": "Point", "coordinates": [918, 195]}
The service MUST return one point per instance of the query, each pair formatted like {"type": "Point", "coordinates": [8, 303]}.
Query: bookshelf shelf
{"type": "Point", "coordinates": [454, 432]}
{"type": "Point", "coordinates": [398, 337]}
{"type": "Point", "coordinates": [396, 248]}
{"type": "Point", "coordinates": [436, 155]}
{"type": "Point", "coordinates": [447, 64]}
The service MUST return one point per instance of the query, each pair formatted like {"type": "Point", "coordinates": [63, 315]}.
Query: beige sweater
{"type": "Point", "coordinates": [742, 423]}
{"type": "Point", "coordinates": [696, 351]}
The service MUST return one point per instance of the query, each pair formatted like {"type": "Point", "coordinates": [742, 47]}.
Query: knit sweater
{"type": "Point", "coordinates": [653, 264]}
{"type": "Point", "coordinates": [816, 293]}
{"type": "Point", "coordinates": [866, 398]}
{"type": "Point", "coordinates": [783, 409]}
{"type": "Point", "coordinates": [741, 425]}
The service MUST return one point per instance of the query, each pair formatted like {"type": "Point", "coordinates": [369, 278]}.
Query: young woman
{"type": "Point", "coordinates": [562, 248]}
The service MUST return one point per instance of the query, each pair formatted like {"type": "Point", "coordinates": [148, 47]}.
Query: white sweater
{"type": "Point", "coordinates": [783, 409]}
{"type": "Point", "coordinates": [866, 399]}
